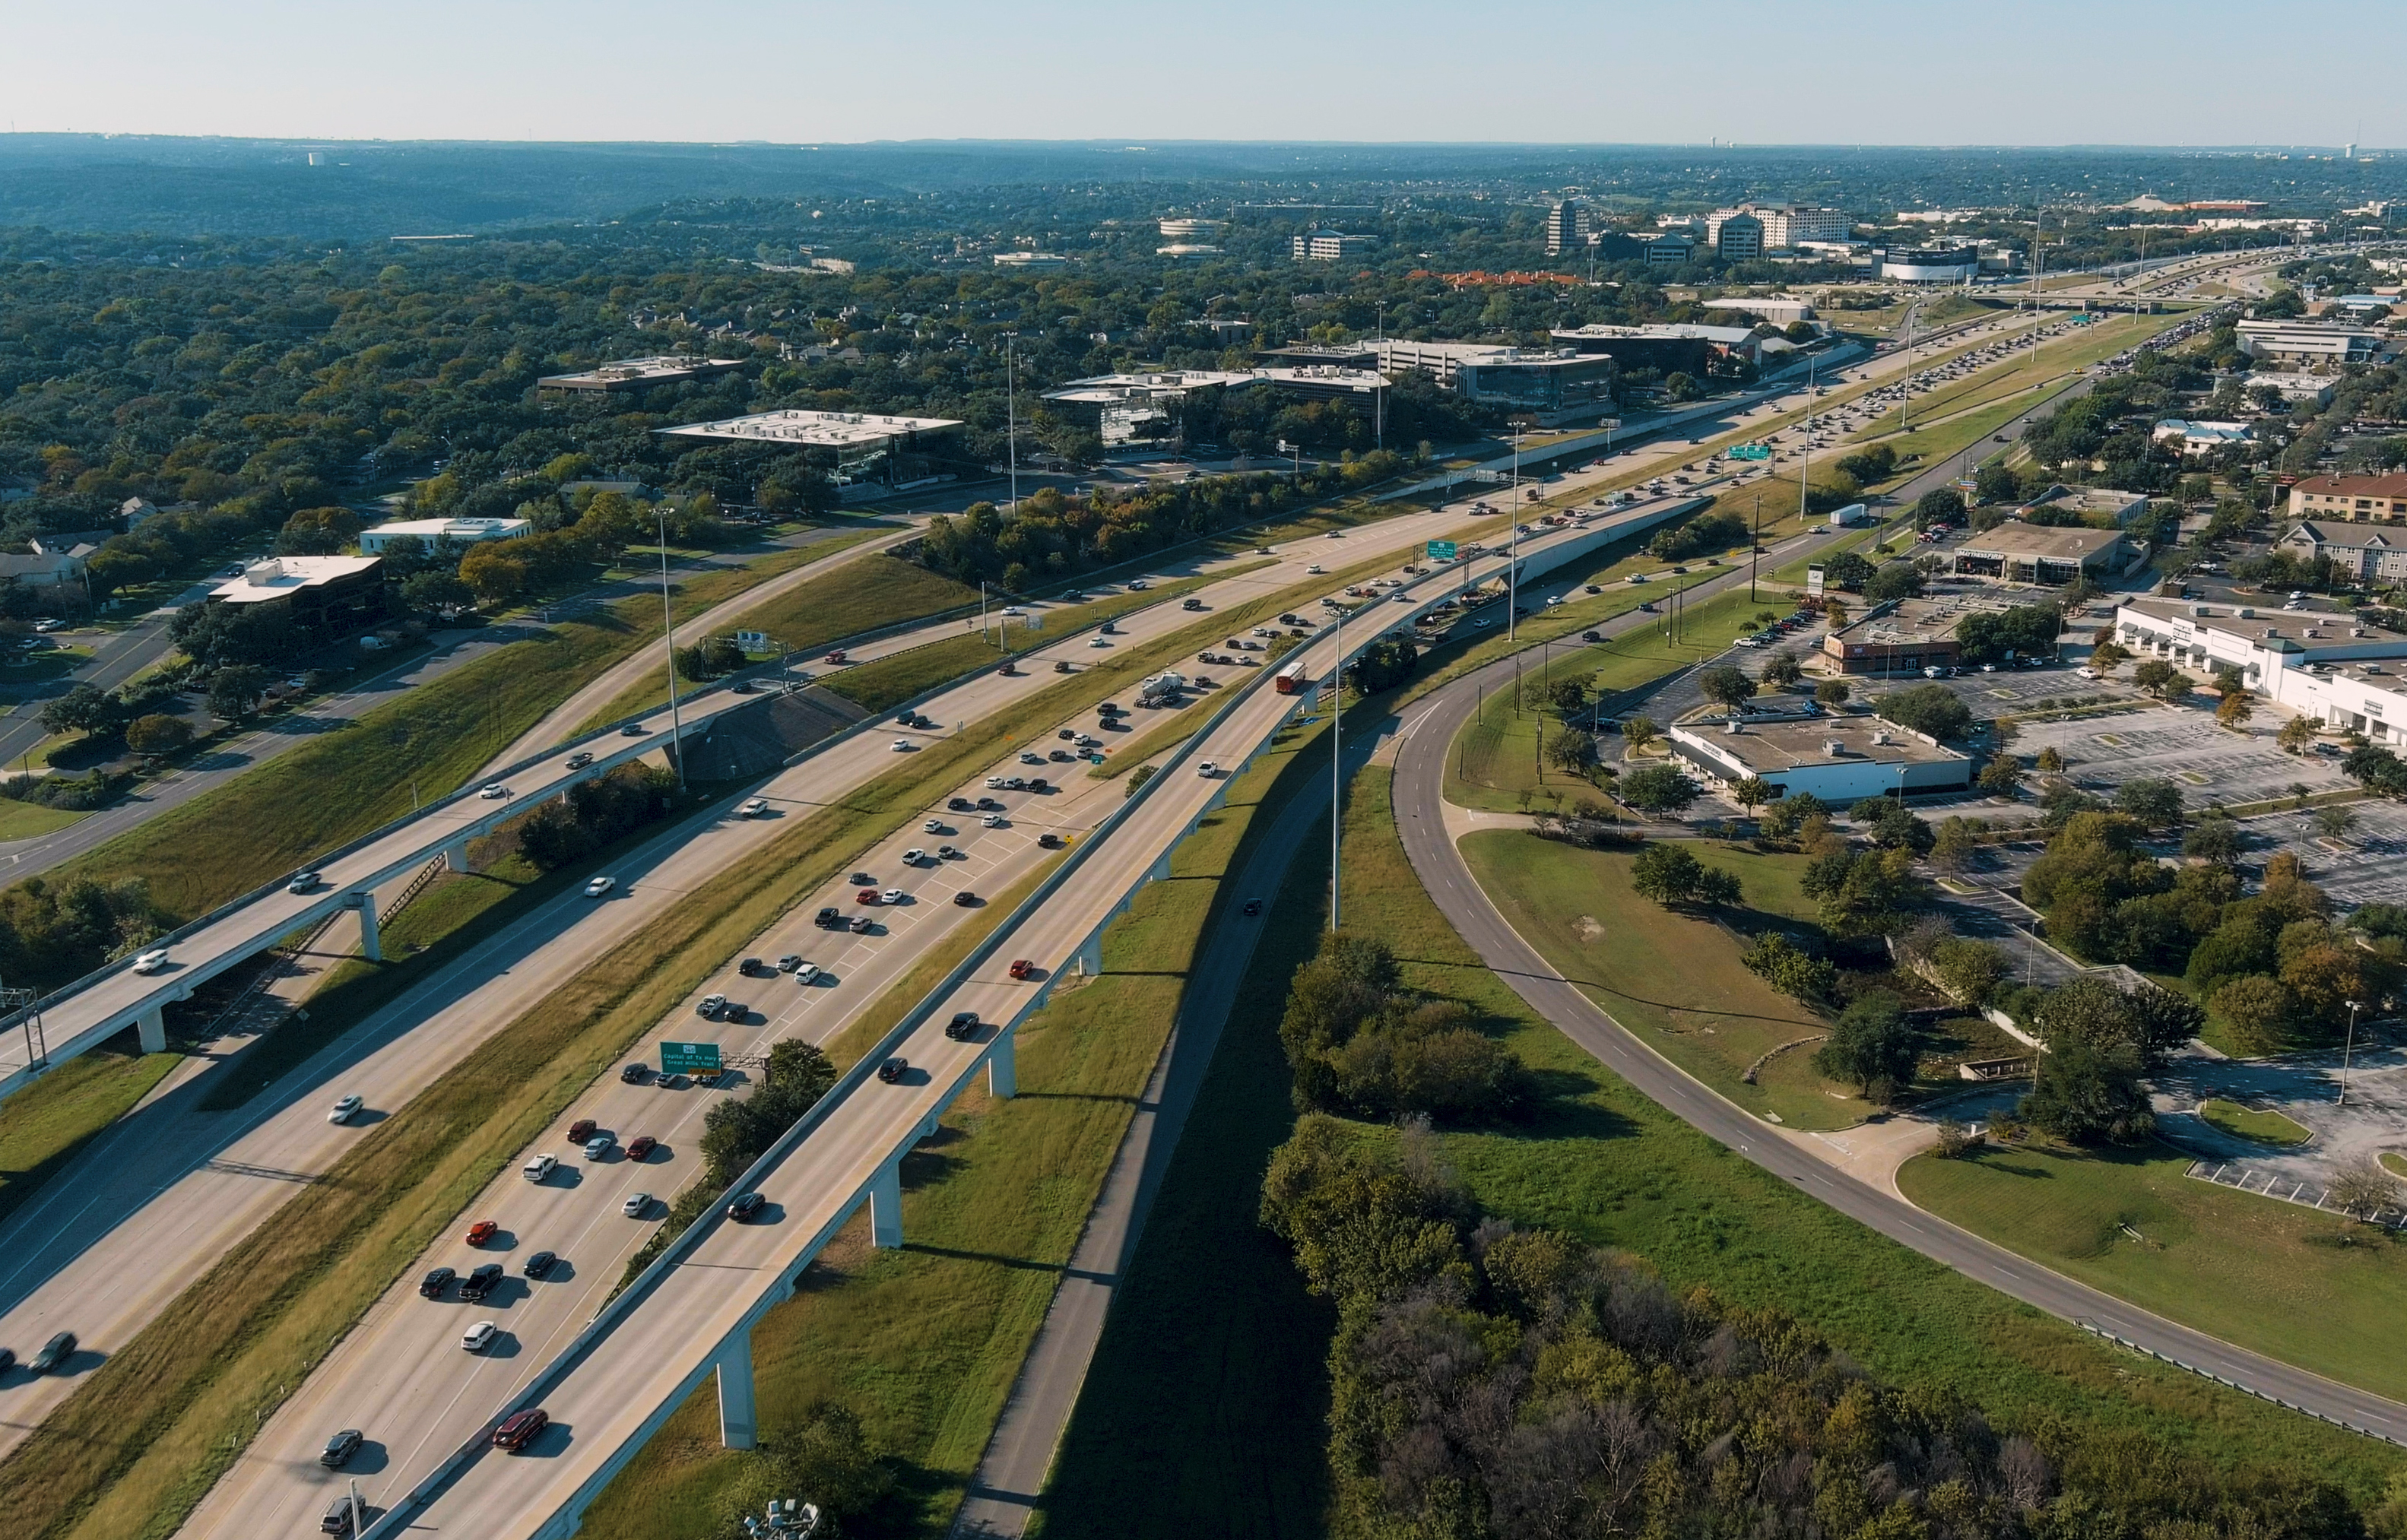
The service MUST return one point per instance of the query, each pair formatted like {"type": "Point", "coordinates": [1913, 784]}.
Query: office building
{"type": "Point", "coordinates": [1562, 228]}
{"type": "Point", "coordinates": [2308, 344]}
{"type": "Point", "coordinates": [868, 447]}
{"type": "Point", "coordinates": [1932, 264]}
{"type": "Point", "coordinates": [1665, 346]}
{"type": "Point", "coordinates": [459, 532]}
{"type": "Point", "coordinates": [1738, 238]}
{"type": "Point", "coordinates": [2358, 552]}
{"type": "Point", "coordinates": [1330, 246]}
{"type": "Point", "coordinates": [1558, 380]}
{"type": "Point", "coordinates": [635, 374]}
{"type": "Point", "coordinates": [2048, 555]}
{"type": "Point", "coordinates": [1133, 408]}
{"type": "Point", "coordinates": [2195, 439]}
{"type": "Point", "coordinates": [1783, 226]}
{"type": "Point", "coordinates": [1901, 638]}
{"type": "Point", "coordinates": [328, 594]}
{"type": "Point", "coordinates": [1840, 759]}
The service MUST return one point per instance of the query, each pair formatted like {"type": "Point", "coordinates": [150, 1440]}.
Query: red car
{"type": "Point", "coordinates": [580, 1130]}
{"type": "Point", "coordinates": [1023, 968]}
{"type": "Point", "coordinates": [519, 1429]}
{"type": "Point", "coordinates": [641, 1145]}
{"type": "Point", "coordinates": [481, 1232]}
{"type": "Point", "coordinates": [864, 895]}
{"type": "Point", "coordinates": [837, 657]}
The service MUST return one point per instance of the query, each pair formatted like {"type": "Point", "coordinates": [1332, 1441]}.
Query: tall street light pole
{"type": "Point", "coordinates": [2349, 1051]}
{"type": "Point", "coordinates": [1011, 416]}
{"type": "Point", "coordinates": [1336, 756]}
{"type": "Point", "coordinates": [668, 645]}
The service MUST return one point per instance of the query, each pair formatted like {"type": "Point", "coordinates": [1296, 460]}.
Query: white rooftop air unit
{"type": "Point", "coordinates": [1834, 748]}
{"type": "Point", "coordinates": [1731, 727]}
{"type": "Point", "coordinates": [2245, 613]}
{"type": "Point", "coordinates": [1880, 737]}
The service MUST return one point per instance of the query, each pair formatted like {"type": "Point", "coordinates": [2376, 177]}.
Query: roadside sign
{"type": "Point", "coordinates": [1035, 621]}
{"type": "Point", "coordinates": [689, 1058]}
{"type": "Point", "coordinates": [1488, 476]}
{"type": "Point", "coordinates": [1441, 550]}
{"type": "Point", "coordinates": [753, 641]}
{"type": "Point", "coordinates": [1813, 582]}
{"type": "Point", "coordinates": [1750, 451]}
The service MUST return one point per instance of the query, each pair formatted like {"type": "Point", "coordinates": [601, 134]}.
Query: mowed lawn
{"type": "Point", "coordinates": [2307, 1288]}
{"type": "Point", "coordinates": [1672, 977]}
{"type": "Point", "coordinates": [42, 1126]}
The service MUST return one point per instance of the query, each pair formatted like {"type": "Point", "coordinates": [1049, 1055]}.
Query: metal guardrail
{"type": "Point", "coordinates": [396, 1521]}
{"type": "Point", "coordinates": [2120, 1341]}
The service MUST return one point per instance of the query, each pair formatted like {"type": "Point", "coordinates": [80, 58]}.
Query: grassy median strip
{"type": "Point", "coordinates": [147, 1433]}
{"type": "Point", "coordinates": [44, 1125]}
{"type": "Point", "coordinates": [925, 1343]}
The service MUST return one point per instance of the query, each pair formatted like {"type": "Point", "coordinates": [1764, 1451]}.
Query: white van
{"type": "Point", "coordinates": [540, 1167]}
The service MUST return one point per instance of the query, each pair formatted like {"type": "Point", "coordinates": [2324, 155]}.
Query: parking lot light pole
{"type": "Point", "coordinates": [2349, 1050]}
{"type": "Point", "coordinates": [668, 643]}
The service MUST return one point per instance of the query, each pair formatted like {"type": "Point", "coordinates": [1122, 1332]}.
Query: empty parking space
{"type": "Point", "coordinates": [2179, 744]}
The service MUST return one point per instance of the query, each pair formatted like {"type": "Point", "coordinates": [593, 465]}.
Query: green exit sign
{"type": "Point", "coordinates": [689, 1058]}
{"type": "Point", "coordinates": [1441, 550]}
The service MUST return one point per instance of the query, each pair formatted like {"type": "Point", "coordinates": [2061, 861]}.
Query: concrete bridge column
{"type": "Point", "coordinates": [886, 1205]}
{"type": "Point", "coordinates": [455, 855]}
{"type": "Point", "coordinates": [738, 1423]}
{"type": "Point", "coordinates": [369, 945]}
{"type": "Point", "coordinates": [1002, 1066]}
{"type": "Point", "coordinates": [1160, 872]}
{"type": "Point", "coordinates": [152, 1025]}
{"type": "Point", "coordinates": [1090, 961]}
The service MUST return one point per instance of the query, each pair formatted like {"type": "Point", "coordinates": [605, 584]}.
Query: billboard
{"type": "Point", "coordinates": [1813, 582]}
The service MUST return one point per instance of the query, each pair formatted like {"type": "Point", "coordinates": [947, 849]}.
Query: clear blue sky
{"type": "Point", "coordinates": [1860, 71]}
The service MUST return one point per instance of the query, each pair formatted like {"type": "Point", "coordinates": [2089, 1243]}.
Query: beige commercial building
{"type": "Point", "coordinates": [2051, 556]}
{"type": "Point", "coordinates": [2358, 499]}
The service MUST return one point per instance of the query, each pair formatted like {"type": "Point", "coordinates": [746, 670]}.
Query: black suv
{"type": "Point", "coordinates": [341, 1448]}
{"type": "Point", "coordinates": [960, 805]}
{"type": "Point", "coordinates": [633, 1074]}
{"type": "Point", "coordinates": [432, 1285]}
{"type": "Point", "coordinates": [963, 1025]}
{"type": "Point", "coordinates": [476, 1285]}
{"type": "Point", "coordinates": [742, 1208]}
{"type": "Point", "coordinates": [829, 919]}
{"type": "Point", "coordinates": [893, 1070]}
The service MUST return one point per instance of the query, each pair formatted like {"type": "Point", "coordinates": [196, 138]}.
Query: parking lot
{"type": "Point", "coordinates": [2367, 866]}
{"type": "Point", "coordinates": [2182, 745]}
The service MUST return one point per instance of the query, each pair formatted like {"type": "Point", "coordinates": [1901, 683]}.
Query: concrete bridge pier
{"type": "Point", "coordinates": [738, 1421]}
{"type": "Point", "coordinates": [152, 1025]}
{"type": "Point", "coordinates": [1090, 961]}
{"type": "Point", "coordinates": [369, 945]}
{"type": "Point", "coordinates": [455, 855]}
{"type": "Point", "coordinates": [885, 1206]}
{"type": "Point", "coordinates": [1002, 1066]}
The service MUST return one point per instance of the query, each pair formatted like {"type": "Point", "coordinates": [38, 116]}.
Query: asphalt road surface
{"type": "Point", "coordinates": [1420, 773]}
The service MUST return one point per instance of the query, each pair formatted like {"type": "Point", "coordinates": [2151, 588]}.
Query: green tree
{"type": "Point", "coordinates": [235, 691]}
{"type": "Point", "coordinates": [1638, 732]}
{"type": "Point", "coordinates": [1780, 963]}
{"type": "Point", "coordinates": [2214, 840]}
{"type": "Point", "coordinates": [87, 709]}
{"type": "Point", "coordinates": [1658, 789]}
{"type": "Point", "coordinates": [1781, 670]}
{"type": "Point", "coordinates": [2087, 1092]}
{"type": "Point", "coordinates": [1931, 708]}
{"type": "Point", "coordinates": [157, 733]}
{"type": "Point", "coordinates": [2296, 734]}
{"type": "Point", "coordinates": [2001, 777]}
{"type": "Point", "coordinates": [1568, 696]}
{"type": "Point", "coordinates": [1862, 892]}
{"type": "Point", "coordinates": [2334, 822]}
{"type": "Point", "coordinates": [2154, 800]}
{"type": "Point", "coordinates": [1952, 848]}
{"type": "Point", "coordinates": [1666, 874]}
{"type": "Point", "coordinates": [1832, 692]}
{"type": "Point", "coordinates": [1753, 791]}
{"type": "Point", "coordinates": [1572, 751]}
{"type": "Point", "coordinates": [434, 591]}
{"type": "Point", "coordinates": [1872, 1047]}
{"type": "Point", "coordinates": [1727, 685]}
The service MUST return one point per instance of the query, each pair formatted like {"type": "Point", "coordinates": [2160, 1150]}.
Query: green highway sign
{"type": "Point", "coordinates": [1750, 451]}
{"type": "Point", "coordinates": [1441, 550]}
{"type": "Point", "coordinates": [689, 1058]}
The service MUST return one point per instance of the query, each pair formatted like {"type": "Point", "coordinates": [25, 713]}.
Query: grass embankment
{"type": "Point", "coordinates": [41, 1133]}
{"type": "Point", "coordinates": [1495, 767]}
{"type": "Point", "coordinates": [2264, 1126]}
{"type": "Point", "coordinates": [24, 820]}
{"type": "Point", "coordinates": [2059, 358]}
{"type": "Point", "coordinates": [1605, 1164]}
{"type": "Point", "coordinates": [862, 595]}
{"type": "Point", "coordinates": [2308, 1288]}
{"type": "Point", "coordinates": [150, 1431]}
{"type": "Point", "coordinates": [359, 775]}
{"type": "Point", "coordinates": [925, 1343]}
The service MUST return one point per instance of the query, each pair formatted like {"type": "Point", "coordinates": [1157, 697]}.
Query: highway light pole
{"type": "Point", "coordinates": [1011, 417]}
{"type": "Point", "coordinates": [2349, 1051]}
{"type": "Point", "coordinates": [668, 644]}
{"type": "Point", "coordinates": [1336, 755]}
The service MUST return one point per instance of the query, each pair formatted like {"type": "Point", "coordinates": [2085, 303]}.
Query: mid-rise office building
{"type": "Point", "coordinates": [1330, 246]}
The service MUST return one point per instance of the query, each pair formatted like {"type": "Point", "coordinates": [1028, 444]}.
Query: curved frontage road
{"type": "Point", "coordinates": [1420, 769]}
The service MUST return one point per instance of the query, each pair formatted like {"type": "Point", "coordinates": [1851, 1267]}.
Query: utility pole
{"type": "Point", "coordinates": [668, 644]}
{"type": "Point", "coordinates": [2348, 1051]}
{"type": "Point", "coordinates": [1513, 567]}
{"type": "Point", "coordinates": [1755, 546]}
{"type": "Point", "coordinates": [1011, 416]}
{"type": "Point", "coordinates": [1336, 757]}
{"type": "Point", "coordinates": [1805, 461]}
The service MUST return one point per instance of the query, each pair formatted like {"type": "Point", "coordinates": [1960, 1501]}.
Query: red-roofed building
{"type": "Point", "coordinates": [2364, 499]}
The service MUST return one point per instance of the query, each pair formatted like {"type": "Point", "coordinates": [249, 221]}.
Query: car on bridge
{"type": "Point", "coordinates": [344, 1111]}
{"type": "Point", "coordinates": [151, 961]}
{"type": "Point", "coordinates": [744, 1207]}
{"type": "Point", "coordinates": [893, 1069]}
{"type": "Point", "coordinates": [305, 882]}
{"type": "Point", "coordinates": [519, 1429]}
{"type": "Point", "coordinates": [637, 1206]}
{"type": "Point", "coordinates": [600, 887]}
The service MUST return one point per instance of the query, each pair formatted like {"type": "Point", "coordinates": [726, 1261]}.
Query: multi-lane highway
{"type": "Point", "coordinates": [166, 1193]}
{"type": "Point", "coordinates": [220, 1176]}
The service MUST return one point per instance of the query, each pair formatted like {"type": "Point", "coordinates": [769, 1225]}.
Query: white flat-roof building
{"type": "Point", "coordinates": [1932, 264]}
{"type": "Point", "coordinates": [460, 532]}
{"type": "Point", "coordinates": [1780, 310]}
{"type": "Point", "coordinates": [637, 374]}
{"type": "Point", "coordinates": [2314, 388]}
{"type": "Point", "coordinates": [2333, 666]}
{"type": "Point", "coordinates": [2310, 345]}
{"type": "Point", "coordinates": [1837, 758]}
{"type": "Point", "coordinates": [2050, 555]}
{"type": "Point", "coordinates": [1330, 246]}
{"type": "Point", "coordinates": [1554, 379]}
{"type": "Point", "coordinates": [1031, 258]}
